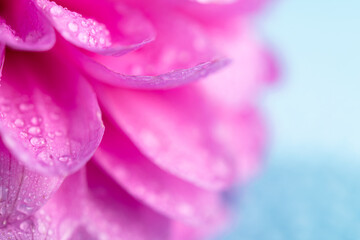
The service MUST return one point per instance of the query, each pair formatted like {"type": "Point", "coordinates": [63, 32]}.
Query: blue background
{"type": "Point", "coordinates": [310, 184]}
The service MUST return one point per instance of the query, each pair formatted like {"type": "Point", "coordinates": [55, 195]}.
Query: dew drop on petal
{"type": "Point", "coordinates": [19, 123]}
{"type": "Point", "coordinates": [35, 120]}
{"type": "Point", "coordinates": [56, 10]}
{"type": "Point", "coordinates": [83, 37]}
{"type": "Point", "coordinates": [64, 159]}
{"type": "Point", "coordinates": [37, 141]}
{"type": "Point", "coordinates": [73, 27]}
{"type": "Point", "coordinates": [23, 208]}
{"type": "Point", "coordinates": [24, 107]}
{"type": "Point", "coordinates": [34, 130]}
{"type": "Point", "coordinates": [24, 225]}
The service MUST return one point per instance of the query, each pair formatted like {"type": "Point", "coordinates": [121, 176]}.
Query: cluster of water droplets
{"type": "Point", "coordinates": [42, 137]}
{"type": "Point", "coordinates": [74, 27]}
{"type": "Point", "coordinates": [22, 193]}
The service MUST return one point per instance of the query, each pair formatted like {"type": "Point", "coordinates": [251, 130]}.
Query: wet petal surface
{"type": "Point", "coordinates": [153, 186]}
{"type": "Point", "coordinates": [117, 32]}
{"type": "Point", "coordinates": [22, 191]}
{"type": "Point", "coordinates": [49, 120]}
{"type": "Point", "coordinates": [176, 129]}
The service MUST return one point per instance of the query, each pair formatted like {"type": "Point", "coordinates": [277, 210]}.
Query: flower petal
{"type": "Point", "coordinates": [99, 209]}
{"type": "Point", "coordinates": [25, 28]}
{"type": "Point", "coordinates": [157, 188]}
{"type": "Point", "coordinates": [22, 191]}
{"type": "Point", "coordinates": [175, 129]}
{"type": "Point", "coordinates": [49, 119]}
{"type": "Point", "coordinates": [163, 81]}
{"type": "Point", "coordinates": [117, 32]}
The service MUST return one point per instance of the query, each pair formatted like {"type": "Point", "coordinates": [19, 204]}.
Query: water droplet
{"type": "Point", "coordinates": [41, 228]}
{"type": "Point", "coordinates": [102, 40]}
{"type": "Point", "coordinates": [23, 208]}
{"type": "Point", "coordinates": [64, 159]}
{"type": "Point", "coordinates": [73, 26]}
{"type": "Point", "coordinates": [35, 120]}
{"type": "Point", "coordinates": [34, 130]}
{"type": "Point", "coordinates": [24, 107]}
{"type": "Point", "coordinates": [56, 10]}
{"type": "Point", "coordinates": [58, 133]}
{"type": "Point", "coordinates": [23, 134]}
{"type": "Point", "coordinates": [37, 141]}
{"type": "Point", "coordinates": [19, 123]}
{"type": "Point", "coordinates": [83, 37]}
{"type": "Point", "coordinates": [24, 225]}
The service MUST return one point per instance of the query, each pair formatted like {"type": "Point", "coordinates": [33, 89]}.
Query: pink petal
{"type": "Point", "coordinates": [171, 60]}
{"type": "Point", "coordinates": [158, 189]}
{"type": "Point", "coordinates": [99, 209]}
{"type": "Point", "coordinates": [25, 28]}
{"type": "Point", "coordinates": [117, 32]}
{"type": "Point", "coordinates": [22, 192]}
{"type": "Point", "coordinates": [180, 43]}
{"type": "Point", "coordinates": [176, 129]}
{"type": "Point", "coordinates": [163, 81]}
{"type": "Point", "coordinates": [49, 119]}
{"type": "Point", "coordinates": [244, 79]}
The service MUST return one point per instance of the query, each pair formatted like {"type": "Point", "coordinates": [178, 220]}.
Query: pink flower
{"type": "Point", "coordinates": [172, 144]}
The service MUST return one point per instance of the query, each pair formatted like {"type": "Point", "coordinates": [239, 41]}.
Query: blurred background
{"type": "Point", "coordinates": [309, 187]}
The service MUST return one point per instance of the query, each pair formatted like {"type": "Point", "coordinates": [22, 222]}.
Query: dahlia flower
{"type": "Point", "coordinates": [172, 145]}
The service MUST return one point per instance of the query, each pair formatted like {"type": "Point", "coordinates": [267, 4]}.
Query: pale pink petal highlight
{"type": "Point", "coordinates": [157, 188]}
{"type": "Point", "coordinates": [176, 130]}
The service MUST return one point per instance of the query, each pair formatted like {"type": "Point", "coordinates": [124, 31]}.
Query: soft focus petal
{"type": "Point", "coordinates": [117, 32]}
{"type": "Point", "coordinates": [23, 27]}
{"type": "Point", "coordinates": [242, 81]}
{"type": "Point", "coordinates": [176, 129]}
{"type": "Point", "coordinates": [50, 119]}
{"type": "Point", "coordinates": [22, 191]}
{"type": "Point", "coordinates": [148, 183]}
{"type": "Point", "coordinates": [99, 210]}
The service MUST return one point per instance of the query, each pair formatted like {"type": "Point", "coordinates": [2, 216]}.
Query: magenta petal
{"type": "Point", "coordinates": [117, 32]}
{"type": "Point", "coordinates": [163, 81]}
{"type": "Point", "coordinates": [147, 182]}
{"type": "Point", "coordinates": [49, 119]}
{"type": "Point", "coordinates": [25, 28]}
{"type": "Point", "coordinates": [22, 192]}
{"type": "Point", "coordinates": [99, 210]}
{"type": "Point", "coordinates": [177, 130]}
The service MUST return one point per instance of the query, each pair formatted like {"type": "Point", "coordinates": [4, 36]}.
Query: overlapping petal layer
{"type": "Point", "coordinates": [22, 191]}
{"type": "Point", "coordinates": [93, 207]}
{"type": "Point", "coordinates": [117, 32]}
{"type": "Point", "coordinates": [155, 187]}
{"type": "Point", "coordinates": [23, 27]}
{"type": "Point", "coordinates": [176, 129]}
{"type": "Point", "coordinates": [167, 155]}
{"type": "Point", "coordinates": [41, 110]}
